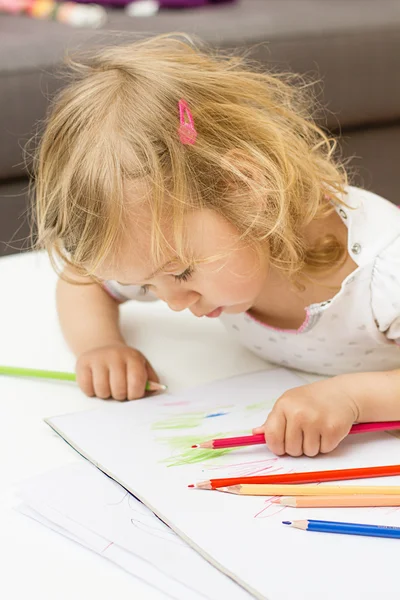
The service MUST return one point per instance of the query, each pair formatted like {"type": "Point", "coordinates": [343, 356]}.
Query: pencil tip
{"type": "Point", "coordinates": [195, 446]}
{"type": "Point", "coordinates": [203, 485]}
{"type": "Point", "coordinates": [191, 485]}
{"type": "Point", "coordinates": [286, 522]}
{"type": "Point", "coordinates": [154, 386]}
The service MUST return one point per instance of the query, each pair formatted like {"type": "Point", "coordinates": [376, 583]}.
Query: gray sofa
{"type": "Point", "coordinates": [353, 45]}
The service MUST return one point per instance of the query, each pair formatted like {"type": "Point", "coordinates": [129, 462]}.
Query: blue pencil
{"type": "Point", "coordinates": [346, 528]}
{"type": "Point", "coordinates": [343, 523]}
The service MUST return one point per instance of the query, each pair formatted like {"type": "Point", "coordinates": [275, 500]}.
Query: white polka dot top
{"type": "Point", "coordinates": [358, 329]}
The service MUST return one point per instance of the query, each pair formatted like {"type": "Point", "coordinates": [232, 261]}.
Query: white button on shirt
{"type": "Point", "coordinates": [356, 330]}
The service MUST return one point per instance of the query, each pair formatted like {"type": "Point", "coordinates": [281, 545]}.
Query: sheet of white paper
{"type": "Point", "coordinates": [81, 498]}
{"type": "Point", "coordinates": [163, 587]}
{"type": "Point", "coordinates": [145, 445]}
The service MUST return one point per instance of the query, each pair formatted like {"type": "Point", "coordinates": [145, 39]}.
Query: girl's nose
{"type": "Point", "coordinates": [181, 300]}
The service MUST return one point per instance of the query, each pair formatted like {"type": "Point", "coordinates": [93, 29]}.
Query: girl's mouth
{"type": "Point", "coordinates": [215, 313]}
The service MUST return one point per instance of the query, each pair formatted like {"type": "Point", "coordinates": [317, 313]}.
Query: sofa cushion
{"type": "Point", "coordinates": [15, 229]}
{"type": "Point", "coordinates": [354, 45]}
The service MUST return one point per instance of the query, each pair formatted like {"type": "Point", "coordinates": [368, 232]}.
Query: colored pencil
{"type": "Point", "coordinates": [310, 490]}
{"type": "Point", "coordinates": [337, 501]}
{"type": "Point", "coordinates": [151, 386]}
{"type": "Point", "coordinates": [307, 477]}
{"type": "Point", "coordinates": [233, 442]}
{"type": "Point", "coordinates": [259, 438]}
{"type": "Point", "coordinates": [346, 528]}
{"type": "Point", "coordinates": [340, 523]}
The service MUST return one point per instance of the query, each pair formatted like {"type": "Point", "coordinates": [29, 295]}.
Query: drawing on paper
{"type": "Point", "coordinates": [146, 522]}
{"type": "Point", "coordinates": [188, 420]}
{"type": "Point", "coordinates": [184, 454]}
{"type": "Point", "coordinates": [263, 405]}
{"type": "Point", "coordinates": [264, 466]}
{"type": "Point", "coordinates": [182, 421]}
{"type": "Point", "coordinates": [267, 466]}
{"type": "Point", "coordinates": [143, 520]}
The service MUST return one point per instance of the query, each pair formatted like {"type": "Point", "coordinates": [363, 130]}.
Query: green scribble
{"type": "Point", "coordinates": [183, 421]}
{"type": "Point", "coordinates": [191, 456]}
{"type": "Point", "coordinates": [259, 405]}
{"type": "Point", "coordinates": [184, 454]}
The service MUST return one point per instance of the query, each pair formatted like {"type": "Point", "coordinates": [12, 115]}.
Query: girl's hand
{"type": "Point", "coordinates": [115, 371]}
{"type": "Point", "coordinates": [310, 419]}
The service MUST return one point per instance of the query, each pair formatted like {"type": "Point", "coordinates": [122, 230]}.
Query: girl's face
{"type": "Point", "coordinates": [230, 282]}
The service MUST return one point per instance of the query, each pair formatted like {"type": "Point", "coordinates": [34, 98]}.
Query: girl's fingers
{"type": "Point", "coordinates": [311, 441]}
{"type": "Point", "coordinates": [101, 381]}
{"type": "Point", "coordinates": [136, 380]}
{"type": "Point", "coordinates": [84, 377]}
{"type": "Point", "coordinates": [118, 381]}
{"type": "Point", "coordinates": [331, 437]}
{"type": "Point", "coordinates": [274, 429]}
{"type": "Point", "coordinates": [152, 375]}
{"type": "Point", "coordinates": [293, 438]}
{"type": "Point", "coordinates": [257, 430]}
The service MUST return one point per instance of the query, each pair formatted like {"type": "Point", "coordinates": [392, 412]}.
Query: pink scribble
{"type": "Point", "coordinates": [110, 544]}
{"type": "Point", "coordinates": [254, 467]}
{"type": "Point", "coordinates": [179, 403]}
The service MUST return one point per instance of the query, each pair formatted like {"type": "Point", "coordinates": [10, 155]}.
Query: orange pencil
{"type": "Point", "coordinates": [337, 501]}
{"type": "Point", "coordinates": [307, 477]}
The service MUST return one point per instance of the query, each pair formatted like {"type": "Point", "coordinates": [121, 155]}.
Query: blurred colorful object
{"type": "Point", "coordinates": [161, 3]}
{"type": "Point", "coordinates": [71, 13]}
{"type": "Point", "coordinates": [190, 3]}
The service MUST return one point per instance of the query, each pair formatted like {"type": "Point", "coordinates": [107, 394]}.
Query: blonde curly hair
{"type": "Point", "coordinates": [259, 160]}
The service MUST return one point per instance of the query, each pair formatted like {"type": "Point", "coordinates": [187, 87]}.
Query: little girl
{"type": "Point", "coordinates": [189, 177]}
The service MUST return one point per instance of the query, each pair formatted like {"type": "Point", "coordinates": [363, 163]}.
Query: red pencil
{"type": "Point", "coordinates": [307, 477]}
{"type": "Point", "coordinates": [259, 438]}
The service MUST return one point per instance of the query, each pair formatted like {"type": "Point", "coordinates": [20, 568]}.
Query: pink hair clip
{"type": "Point", "coordinates": [186, 130]}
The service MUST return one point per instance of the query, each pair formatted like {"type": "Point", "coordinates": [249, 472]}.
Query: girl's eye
{"type": "Point", "coordinates": [187, 273]}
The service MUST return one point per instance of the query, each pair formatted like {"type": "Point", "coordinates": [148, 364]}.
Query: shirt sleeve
{"type": "Point", "coordinates": [385, 289]}
{"type": "Point", "coordinates": [123, 293]}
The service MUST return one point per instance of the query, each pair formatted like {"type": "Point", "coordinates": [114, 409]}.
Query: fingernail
{"type": "Point", "coordinates": [153, 386]}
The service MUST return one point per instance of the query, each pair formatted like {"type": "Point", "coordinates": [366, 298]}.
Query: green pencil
{"type": "Point", "coordinates": [151, 386]}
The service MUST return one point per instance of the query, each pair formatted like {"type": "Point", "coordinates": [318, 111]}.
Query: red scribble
{"type": "Point", "coordinates": [273, 509]}
{"type": "Point", "coordinates": [258, 467]}
{"type": "Point", "coordinates": [393, 509]}
{"type": "Point", "coordinates": [388, 510]}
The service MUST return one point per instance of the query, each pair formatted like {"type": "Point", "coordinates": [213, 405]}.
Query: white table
{"type": "Point", "coordinates": [36, 562]}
